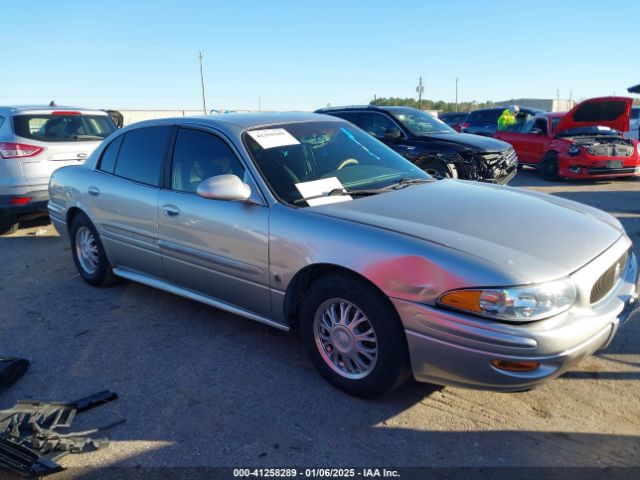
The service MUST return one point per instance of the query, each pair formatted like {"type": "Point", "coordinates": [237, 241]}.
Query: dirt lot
{"type": "Point", "coordinates": [200, 387]}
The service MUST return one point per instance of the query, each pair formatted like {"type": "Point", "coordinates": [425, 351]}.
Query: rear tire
{"type": "Point", "coordinates": [8, 224]}
{"type": "Point", "coordinates": [548, 167]}
{"type": "Point", "coordinates": [88, 253]}
{"type": "Point", "coordinates": [353, 336]}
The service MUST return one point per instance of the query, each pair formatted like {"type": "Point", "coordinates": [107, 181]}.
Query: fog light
{"type": "Point", "coordinates": [514, 366]}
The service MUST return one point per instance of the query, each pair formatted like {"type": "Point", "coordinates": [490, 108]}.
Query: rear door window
{"type": "Point", "coordinates": [63, 127]}
{"type": "Point", "coordinates": [108, 161]}
{"type": "Point", "coordinates": [142, 154]}
{"type": "Point", "coordinates": [353, 117]}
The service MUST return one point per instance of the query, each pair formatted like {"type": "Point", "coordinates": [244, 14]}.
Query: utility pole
{"type": "Point", "coordinates": [204, 102]}
{"type": "Point", "coordinates": [260, 104]}
{"type": "Point", "coordinates": [420, 90]}
{"type": "Point", "coordinates": [456, 94]}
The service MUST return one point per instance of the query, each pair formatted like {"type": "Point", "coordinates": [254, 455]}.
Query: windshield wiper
{"type": "Point", "coordinates": [405, 182]}
{"type": "Point", "coordinates": [341, 191]}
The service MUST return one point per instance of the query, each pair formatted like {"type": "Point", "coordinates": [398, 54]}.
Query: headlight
{"type": "Point", "coordinates": [518, 304]}
{"type": "Point", "coordinates": [574, 150]}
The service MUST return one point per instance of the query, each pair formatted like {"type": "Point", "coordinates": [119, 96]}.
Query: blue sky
{"type": "Point", "coordinates": [305, 54]}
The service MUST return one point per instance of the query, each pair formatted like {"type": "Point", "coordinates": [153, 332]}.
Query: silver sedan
{"type": "Point", "coordinates": [304, 222]}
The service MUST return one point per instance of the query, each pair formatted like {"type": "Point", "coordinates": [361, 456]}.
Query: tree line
{"type": "Point", "coordinates": [439, 105]}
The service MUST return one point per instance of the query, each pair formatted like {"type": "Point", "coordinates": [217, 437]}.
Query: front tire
{"type": "Point", "coordinates": [88, 253]}
{"type": "Point", "coordinates": [354, 337]}
{"type": "Point", "coordinates": [439, 169]}
{"type": "Point", "coordinates": [548, 167]}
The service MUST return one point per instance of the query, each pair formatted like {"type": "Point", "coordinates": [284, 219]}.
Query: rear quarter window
{"type": "Point", "coordinates": [63, 128]}
{"type": "Point", "coordinates": [486, 116]}
{"type": "Point", "coordinates": [108, 160]}
{"type": "Point", "coordinates": [142, 154]}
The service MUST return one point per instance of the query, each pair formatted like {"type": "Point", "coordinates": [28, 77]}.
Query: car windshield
{"type": "Point", "coordinates": [599, 130]}
{"type": "Point", "coordinates": [292, 155]}
{"type": "Point", "coordinates": [421, 123]}
{"type": "Point", "coordinates": [63, 127]}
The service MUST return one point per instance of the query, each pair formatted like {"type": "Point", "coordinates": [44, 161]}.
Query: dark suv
{"type": "Point", "coordinates": [433, 145]}
{"type": "Point", "coordinates": [485, 121]}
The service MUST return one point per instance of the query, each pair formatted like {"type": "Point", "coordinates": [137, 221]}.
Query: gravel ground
{"type": "Point", "coordinates": [201, 387]}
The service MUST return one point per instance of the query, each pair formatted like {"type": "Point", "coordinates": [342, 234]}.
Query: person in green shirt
{"type": "Point", "coordinates": [508, 117]}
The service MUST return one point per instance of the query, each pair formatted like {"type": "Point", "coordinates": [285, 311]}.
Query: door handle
{"type": "Point", "coordinates": [171, 210]}
{"type": "Point", "coordinates": [93, 191]}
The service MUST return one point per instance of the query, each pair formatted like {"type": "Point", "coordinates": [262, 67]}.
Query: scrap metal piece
{"type": "Point", "coordinates": [24, 461]}
{"type": "Point", "coordinates": [29, 442]}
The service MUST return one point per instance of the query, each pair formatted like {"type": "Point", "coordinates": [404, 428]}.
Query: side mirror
{"type": "Point", "coordinates": [224, 187]}
{"type": "Point", "coordinates": [393, 134]}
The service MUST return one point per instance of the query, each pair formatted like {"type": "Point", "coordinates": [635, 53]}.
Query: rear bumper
{"type": "Point", "coordinates": [448, 348]}
{"type": "Point", "coordinates": [37, 203]}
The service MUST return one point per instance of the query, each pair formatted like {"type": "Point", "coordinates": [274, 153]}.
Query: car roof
{"type": "Point", "coordinates": [527, 109]}
{"type": "Point", "coordinates": [24, 109]}
{"type": "Point", "coordinates": [237, 122]}
{"type": "Point", "coordinates": [384, 108]}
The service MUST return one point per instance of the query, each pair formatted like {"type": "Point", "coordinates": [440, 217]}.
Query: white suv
{"type": "Point", "coordinates": [35, 141]}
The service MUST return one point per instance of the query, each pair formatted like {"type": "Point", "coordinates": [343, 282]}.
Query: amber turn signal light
{"type": "Point", "coordinates": [514, 366]}
{"type": "Point", "coordinates": [463, 300]}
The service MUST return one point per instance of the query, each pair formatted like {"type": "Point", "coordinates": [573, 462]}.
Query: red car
{"type": "Point", "coordinates": [587, 142]}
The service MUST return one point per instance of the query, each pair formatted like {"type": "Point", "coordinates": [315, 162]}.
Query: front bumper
{"type": "Point", "coordinates": [580, 168]}
{"type": "Point", "coordinates": [448, 348]}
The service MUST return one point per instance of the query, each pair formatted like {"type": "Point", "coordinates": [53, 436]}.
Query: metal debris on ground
{"type": "Point", "coordinates": [30, 444]}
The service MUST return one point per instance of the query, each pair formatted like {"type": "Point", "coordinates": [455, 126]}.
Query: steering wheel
{"type": "Point", "coordinates": [347, 162]}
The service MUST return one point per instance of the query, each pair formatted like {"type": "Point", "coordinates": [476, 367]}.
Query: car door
{"type": "Point", "coordinates": [528, 142]}
{"type": "Point", "coordinates": [123, 198]}
{"type": "Point", "coordinates": [217, 248]}
{"type": "Point", "coordinates": [381, 126]}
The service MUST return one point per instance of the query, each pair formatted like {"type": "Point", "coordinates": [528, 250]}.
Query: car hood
{"type": "Point", "coordinates": [477, 143]}
{"type": "Point", "coordinates": [538, 237]}
{"type": "Point", "coordinates": [613, 112]}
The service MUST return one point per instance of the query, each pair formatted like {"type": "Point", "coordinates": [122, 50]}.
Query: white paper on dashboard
{"type": "Point", "coordinates": [273, 137]}
{"type": "Point", "coordinates": [322, 187]}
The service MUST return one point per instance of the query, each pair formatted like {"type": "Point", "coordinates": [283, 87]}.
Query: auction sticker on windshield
{"type": "Point", "coordinates": [274, 137]}
{"type": "Point", "coordinates": [321, 188]}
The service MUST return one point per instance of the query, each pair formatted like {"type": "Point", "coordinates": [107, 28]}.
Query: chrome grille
{"type": "Point", "coordinates": [608, 279]}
